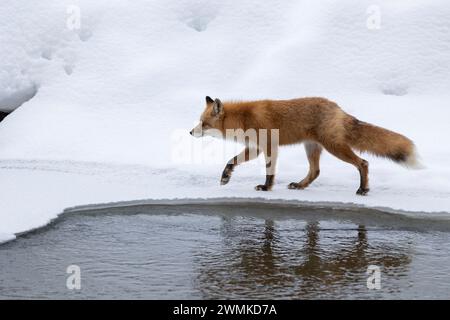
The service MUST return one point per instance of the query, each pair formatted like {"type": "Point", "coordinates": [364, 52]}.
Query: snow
{"type": "Point", "coordinates": [103, 109]}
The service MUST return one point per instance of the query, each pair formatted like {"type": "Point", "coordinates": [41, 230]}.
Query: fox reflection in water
{"type": "Point", "coordinates": [295, 263]}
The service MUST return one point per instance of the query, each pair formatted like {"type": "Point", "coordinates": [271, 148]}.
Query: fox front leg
{"type": "Point", "coordinates": [271, 163]}
{"type": "Point", "coordinates": [226, 174]}
{"type": "Point", "coordinates": [246, 155]}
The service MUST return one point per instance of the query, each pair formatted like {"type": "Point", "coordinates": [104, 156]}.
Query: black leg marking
{"type": "Point", "coordinates": [268, 185]}
{"type": "Point", "coordinates": [226, 174]}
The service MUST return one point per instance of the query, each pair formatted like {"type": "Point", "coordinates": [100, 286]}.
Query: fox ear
{"type": "Point", "coordinates": [209, 100]}
{"type": "Point", "coordinates": [217, 107]}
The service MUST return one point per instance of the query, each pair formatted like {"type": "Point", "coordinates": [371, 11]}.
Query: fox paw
{"type": "Point", "coordinates": [225, 179]}
{"type": "Point", "coordinates": [262, 187]}
{"type": "Point", "coordinates": [362, 191]}
{"type": "Point", "coordinates": [295, 185]}
{"type": "Point", "coordinates": [226, 174]}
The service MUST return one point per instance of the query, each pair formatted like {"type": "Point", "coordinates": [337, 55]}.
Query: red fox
{"type": "Point", "coordinates": [317, 122]}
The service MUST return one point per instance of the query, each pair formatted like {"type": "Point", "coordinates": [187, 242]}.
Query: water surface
{"type": "Point", "coordinates": [234, 252]}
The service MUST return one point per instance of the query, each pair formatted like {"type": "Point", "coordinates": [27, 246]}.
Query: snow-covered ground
{"type": "Point", "coordinates": [105, 102]}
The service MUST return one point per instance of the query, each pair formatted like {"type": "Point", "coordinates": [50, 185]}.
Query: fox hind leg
{"type": "Point", "coordinates": [345, 153]}
{"type": "Point", "coordinates": [313, 151]}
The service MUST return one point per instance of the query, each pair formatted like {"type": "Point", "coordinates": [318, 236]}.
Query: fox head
{"type": "Point", "coordinates": [211, 120]}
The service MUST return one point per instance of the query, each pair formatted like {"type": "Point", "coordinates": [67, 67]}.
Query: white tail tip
{"type": "Point", "coordinates": [413, 161]}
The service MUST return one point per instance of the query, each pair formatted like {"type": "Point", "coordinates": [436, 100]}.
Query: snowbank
{"type": "Point", "coordinates": [124, 85]}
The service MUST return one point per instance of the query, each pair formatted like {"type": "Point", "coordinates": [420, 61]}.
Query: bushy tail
{"type": "Point", "coordinates": [366, 137]}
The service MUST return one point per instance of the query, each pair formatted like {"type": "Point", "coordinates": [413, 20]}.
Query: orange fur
{"type": "Point", "coordinates": [316, 121]}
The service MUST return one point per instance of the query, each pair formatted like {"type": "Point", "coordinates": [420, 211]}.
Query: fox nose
{"type": "Point", "coordinates": [191, 132]}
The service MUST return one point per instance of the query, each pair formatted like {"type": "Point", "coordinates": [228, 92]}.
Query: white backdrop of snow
{"type": "Point", "coordinates": [122, 92]}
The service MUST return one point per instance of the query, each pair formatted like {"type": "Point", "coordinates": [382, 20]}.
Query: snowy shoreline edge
{"type": "Point", "coordinates": [240, 201]}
